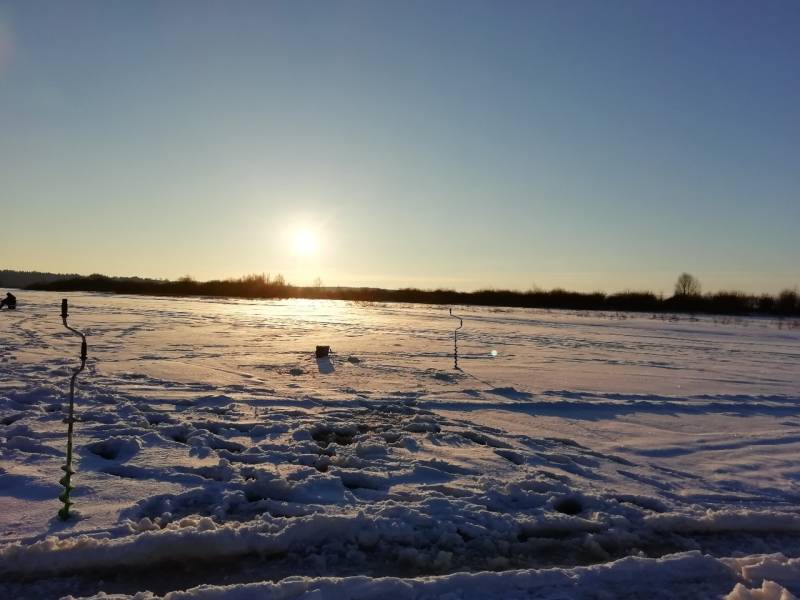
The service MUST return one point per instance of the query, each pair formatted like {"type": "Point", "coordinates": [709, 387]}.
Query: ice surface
{"type": "Point", "coordinates": [591, 455]}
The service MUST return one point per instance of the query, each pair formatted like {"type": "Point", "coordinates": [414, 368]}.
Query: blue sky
{"type": "Point", "coordinates": [596, 145]}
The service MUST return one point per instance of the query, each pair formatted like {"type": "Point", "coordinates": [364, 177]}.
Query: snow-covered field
{"type": "Point", "coordinates": [574, 455]}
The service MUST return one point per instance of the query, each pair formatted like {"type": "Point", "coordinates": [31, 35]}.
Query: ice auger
{"type": "Point", "coordinates": [63, 514]}
{"type": "Point", "coordinates": [455, 338]}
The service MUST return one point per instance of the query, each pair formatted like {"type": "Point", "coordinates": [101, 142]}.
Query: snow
{"type": "Point", "coordinates": [595, 455]}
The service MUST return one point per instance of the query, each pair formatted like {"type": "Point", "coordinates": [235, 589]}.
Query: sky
{"type": "Point", "coordinates": [585, 145]}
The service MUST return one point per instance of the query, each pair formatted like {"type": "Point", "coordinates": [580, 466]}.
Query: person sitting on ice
{"type": "Point", "coordinates": [10, 301]}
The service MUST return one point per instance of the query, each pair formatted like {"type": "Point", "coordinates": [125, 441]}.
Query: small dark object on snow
{"type": "Point", "coordinates": [323, 351]}
{"type": "Point", "coordinates": [10, 301]}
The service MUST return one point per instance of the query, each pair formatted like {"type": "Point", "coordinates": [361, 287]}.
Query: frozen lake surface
{"type": "Point", "coordinates": [573, 455]}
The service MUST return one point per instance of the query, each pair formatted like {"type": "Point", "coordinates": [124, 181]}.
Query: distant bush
{"type": "Point", "coordinates": [20, 279]}
{"type": "Point", "coordinates": [731, 303]}
{"type": "Point", "coordinates": [633, 301]}
{"type": "Point", "coordinates": [787, 303]}
{"type": "Point", "coordinates": [765, 304]}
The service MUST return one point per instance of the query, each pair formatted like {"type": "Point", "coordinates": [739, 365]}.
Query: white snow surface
{"type": "Point", "coordinates": [573, 454]}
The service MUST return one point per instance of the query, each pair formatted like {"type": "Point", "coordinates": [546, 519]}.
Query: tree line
{"type": "Point", "coordinates": [687, 296]}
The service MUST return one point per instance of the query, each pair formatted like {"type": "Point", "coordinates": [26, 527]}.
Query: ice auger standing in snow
{"type": "Point", "coordinates": [455, 338]}
{"type": "Point", "coordinates": [63, 514]}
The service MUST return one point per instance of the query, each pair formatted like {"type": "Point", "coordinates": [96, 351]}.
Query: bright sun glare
{"type": "Point", "coordinates": [305, 242]}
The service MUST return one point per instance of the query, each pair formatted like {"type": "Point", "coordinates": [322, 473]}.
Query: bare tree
{"type": "Point", "coordinates": [687, 285]}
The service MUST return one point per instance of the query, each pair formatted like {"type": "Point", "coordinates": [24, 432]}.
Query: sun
{"type": "Point", "coordinates": [304, 242]}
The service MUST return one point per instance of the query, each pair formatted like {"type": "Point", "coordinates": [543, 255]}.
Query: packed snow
{"type": "Point", "coordinates": [572, 454]}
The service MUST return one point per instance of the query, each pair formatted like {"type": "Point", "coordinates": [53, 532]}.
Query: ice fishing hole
{"type": "Point", "coordinates": [104, 450]}
{"type": "Point", "coordinates": [118, 448]}
{"type": "Point", "coordinates": [155, 418]}
{"type": "Point", "coordinates": [568, 506]}
{"type": "Point", "coordinates": [324, 437]}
